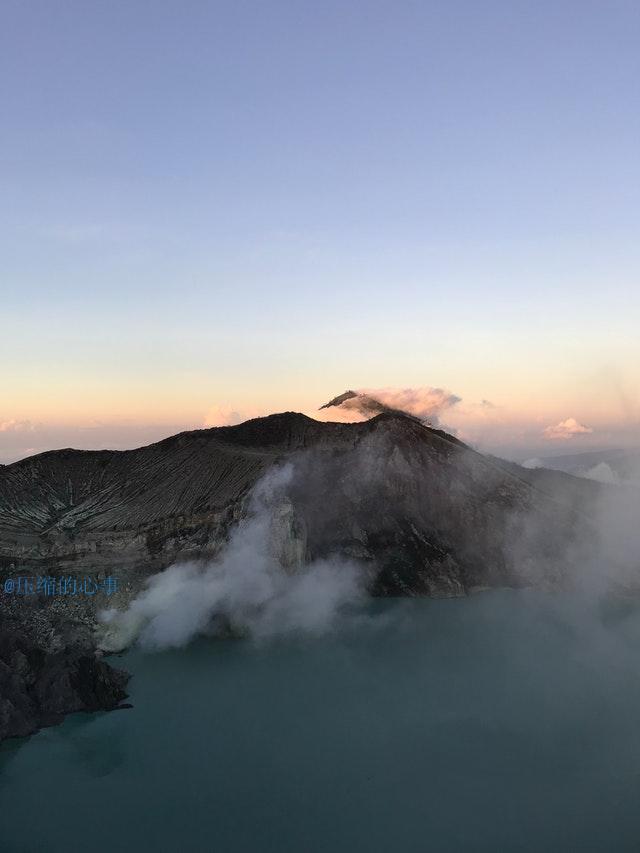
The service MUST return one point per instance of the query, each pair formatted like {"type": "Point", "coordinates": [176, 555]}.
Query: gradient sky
{"type": "Point", "coordinates": [211, 208]}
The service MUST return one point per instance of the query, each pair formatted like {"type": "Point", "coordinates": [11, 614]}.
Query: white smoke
{"type": "Point", "coordinates": [246, 591]}
{"type": "Point", "coordinates": [598, 554]}
{"type": "Point", "coordinates": [534, 462]}
{"type": "Point", "coordinates": [426, 404]}
{"type": "Point", "coordinates": [602, 473]}
{"type": "Point", "coordinates": [621, 469]}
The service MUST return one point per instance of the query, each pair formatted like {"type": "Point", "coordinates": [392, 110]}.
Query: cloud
{"type": "Point", "coordinates": [21, 438]}
{"type": "Point", "coordinates": [16, 426]}
{"type": "Point", "coordinates": [222, 416]}
{"type": "Point", "coordinates": [566, 429]}
{"type": "Point", "coordinates": [424, 403]}
{"type": "Point", "coordinates": [227, 415]}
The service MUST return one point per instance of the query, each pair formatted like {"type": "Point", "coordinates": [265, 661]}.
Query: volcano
{"type": "Point", "coordinates": [419, 511]}
{"type": "Point", "coordinates": [426, 513]}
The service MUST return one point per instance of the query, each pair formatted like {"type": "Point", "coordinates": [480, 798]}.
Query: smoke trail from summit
{"type": "Point", "coordinates": [425, 403]}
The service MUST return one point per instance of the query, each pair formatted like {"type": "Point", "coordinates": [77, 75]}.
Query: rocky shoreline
{"type": "Point", "coordinates": [48, 669]}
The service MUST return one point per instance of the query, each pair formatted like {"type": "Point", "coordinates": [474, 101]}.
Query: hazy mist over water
{"type": "Point", "coordinates": [504, 721]}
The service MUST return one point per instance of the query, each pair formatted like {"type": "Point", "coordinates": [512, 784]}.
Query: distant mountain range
{"type": "Point", "coordinates": [607, 466]}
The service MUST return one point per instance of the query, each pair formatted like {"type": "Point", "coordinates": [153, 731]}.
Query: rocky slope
{"type": "Point", "coordinates": [47, 670]}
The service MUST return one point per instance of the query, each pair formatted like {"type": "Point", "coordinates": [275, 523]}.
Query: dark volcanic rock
{"type": "Point", "coordinates": [433, 516]}
{"type": "Point", "coordinates": [38, 686]}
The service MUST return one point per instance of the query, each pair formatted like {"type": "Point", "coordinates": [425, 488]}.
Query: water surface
{"type": "Point", "coordinates": [508, 721]}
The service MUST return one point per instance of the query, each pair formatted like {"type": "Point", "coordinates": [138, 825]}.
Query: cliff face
{"type": "Point", "coordinates": [429, 513]}
{"type": "Point", "coordinates": [47, 671]}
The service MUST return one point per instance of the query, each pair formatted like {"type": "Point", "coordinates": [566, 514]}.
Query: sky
{"type": "Point", "coordinates": [215, 210]}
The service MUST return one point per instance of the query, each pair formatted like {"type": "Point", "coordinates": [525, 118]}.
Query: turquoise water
{"type": "Point", "coordinates": [504, 722]}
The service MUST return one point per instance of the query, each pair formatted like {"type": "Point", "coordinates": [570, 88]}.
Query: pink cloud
{"type": "Point", "coordinates": [226, 415]}
{"type": "Point", "coordinates": [16, 426]}
{"type": "Point", "coordinates": [566, 429]}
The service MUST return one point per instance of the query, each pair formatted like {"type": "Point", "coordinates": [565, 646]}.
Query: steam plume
{"type": "Point", "coordinates": [426, 404]}
{"type": "Point", "coordinates": [246, 591]}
